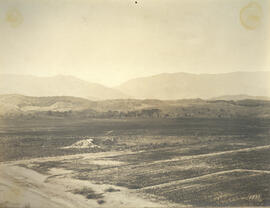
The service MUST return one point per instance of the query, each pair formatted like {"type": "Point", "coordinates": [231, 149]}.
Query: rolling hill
{"type": "Point", "coordinates": [240, 97]}
{"type": "Point", "coordinates": [13, 105]}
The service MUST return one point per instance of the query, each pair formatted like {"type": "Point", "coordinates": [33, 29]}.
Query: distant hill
{"type": "Point", "coordinates": [15, 106]}
{"type": "Point", "coordinates": [205, 86]}
{"type": "Point", "coordinates": [55, 86]}
{"type": "Point", "coordinates": [240, 97]}
{"type": "Point", "coordinates": [229, 86]}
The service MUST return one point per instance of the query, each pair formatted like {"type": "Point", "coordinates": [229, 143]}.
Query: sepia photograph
{"type": "Point", "coordinates": [134, 103]}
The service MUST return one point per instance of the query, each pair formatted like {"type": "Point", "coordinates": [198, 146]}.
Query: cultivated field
{"type": "Point", "coordinates": [135, 162]}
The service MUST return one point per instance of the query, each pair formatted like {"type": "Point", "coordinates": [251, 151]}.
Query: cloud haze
{"type": "Point", "coordinates": [112, 41]}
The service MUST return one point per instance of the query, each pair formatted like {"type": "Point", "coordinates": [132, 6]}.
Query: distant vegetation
{"type": "Point", "coordinates": [18, 106]}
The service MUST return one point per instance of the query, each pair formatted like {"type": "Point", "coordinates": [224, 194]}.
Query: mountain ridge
{"type": "Point", "coordinates": [60, 85]}
{"type": "Point", "coordinates": [165, 86]}
{"type": "Point", "coordinates": [186, 85]}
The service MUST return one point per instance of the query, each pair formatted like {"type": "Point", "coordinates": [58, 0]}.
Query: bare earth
{"type": "Point", "coordinates": [135, 163]}
{"type": "Point", "coordinates": [23, 187]}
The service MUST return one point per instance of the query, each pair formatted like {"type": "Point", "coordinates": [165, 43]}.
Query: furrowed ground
{"type": "Point", "coordinates": [198, 162]}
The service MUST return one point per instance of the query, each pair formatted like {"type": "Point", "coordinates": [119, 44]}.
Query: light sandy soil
{"type": "Point", "coordinates": [23, 187]}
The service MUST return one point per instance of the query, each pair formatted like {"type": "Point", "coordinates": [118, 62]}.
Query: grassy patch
{"type": "Point", "coordinates": [44, 167]}
{"type": "Point", "coordinates": [88, 193]}
{"type": "Point", "coordinates": [101, 201]}
{"type": "Point", "coordinates": [111, 190]}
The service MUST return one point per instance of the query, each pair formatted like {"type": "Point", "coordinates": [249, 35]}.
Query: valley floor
{"type": "Point", "coordinates": [23, 187]}
{"type": "Point", "coordinates": [135, 163]}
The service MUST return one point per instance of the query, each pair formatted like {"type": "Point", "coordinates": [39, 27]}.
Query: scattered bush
{"type": "Point", "coordinates": [101, 201]}
{"type": "Point", "coordinates": [88, 193]}
{"type": "Point", "coordinates": [112, 189]}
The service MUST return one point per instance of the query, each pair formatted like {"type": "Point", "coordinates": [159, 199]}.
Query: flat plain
{"type": "Point", "coordinates": [135, 162]}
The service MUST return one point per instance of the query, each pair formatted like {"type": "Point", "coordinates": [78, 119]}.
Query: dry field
{"type": "Point", "coordinates": [135, 163]}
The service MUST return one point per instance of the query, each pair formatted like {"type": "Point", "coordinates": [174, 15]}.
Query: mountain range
{"type": "Point", "coordinates": [168, 86]}
{"type": "Point", "coordinates": [204, 86]}
{"type": "Point", "coordinates": [59, 85]}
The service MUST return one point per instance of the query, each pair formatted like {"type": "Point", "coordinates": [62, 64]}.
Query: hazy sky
{"type": "Point", "coordinates": [110, 41]}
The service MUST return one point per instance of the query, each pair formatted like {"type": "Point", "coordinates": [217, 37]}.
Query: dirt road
{"type": "Point", "coordinates": [21, 187]}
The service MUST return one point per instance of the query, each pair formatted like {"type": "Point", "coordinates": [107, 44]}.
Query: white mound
{"type": "Point", "coordinates": [86, 143]}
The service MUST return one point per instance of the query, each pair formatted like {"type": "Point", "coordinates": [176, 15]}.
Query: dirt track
{"type": "Point", "coordinates": [20, 187]}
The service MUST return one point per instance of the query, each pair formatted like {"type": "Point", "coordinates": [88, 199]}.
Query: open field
{"type": "Point", "coordinates": [137, 162]}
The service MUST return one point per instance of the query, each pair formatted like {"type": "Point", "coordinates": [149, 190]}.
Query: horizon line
{"type": "Point", "coordinates": [139, 77]}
